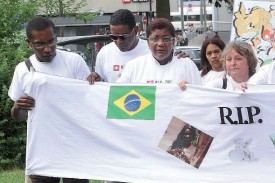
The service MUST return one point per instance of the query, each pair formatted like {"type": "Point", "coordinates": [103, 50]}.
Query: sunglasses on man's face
{"type": "Point", "coordinates": [116, 37]}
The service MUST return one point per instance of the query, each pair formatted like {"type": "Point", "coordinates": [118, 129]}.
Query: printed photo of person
{"type": "Point", "coordinates": [187, 144]}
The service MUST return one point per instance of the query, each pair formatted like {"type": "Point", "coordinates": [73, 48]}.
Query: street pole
{"type": "Point", "coordinates": [150, 11]}
{"type": "Point", "coordinates": [205, 15]}
{"type": "Point", "coordinates": [182, 15]}
{"type": "Point", "coordinates": [201, 16]}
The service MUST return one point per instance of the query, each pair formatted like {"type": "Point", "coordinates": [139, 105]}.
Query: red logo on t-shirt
{"type": "Point", "coordinates": [150, 81]}
{"type": "Point", "coordinates": [115, 67]}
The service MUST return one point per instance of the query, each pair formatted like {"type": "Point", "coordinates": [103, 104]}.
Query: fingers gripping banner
{"type": "Point", "coordinates": [149, 133]}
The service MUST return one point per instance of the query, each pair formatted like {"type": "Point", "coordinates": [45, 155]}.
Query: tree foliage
{"type": "Point", "coordinates": [217, 3]}
{"type": "Point", "coordinates": [66, 8]}
{"type": "Point", "coordinates": [13, 49]}
{"type": "Point", "coordinates": [163, 9]}
{"type": "Point", "coordinates": [14, 15]}
{"type": "Point", "coordinates": [61, 8]}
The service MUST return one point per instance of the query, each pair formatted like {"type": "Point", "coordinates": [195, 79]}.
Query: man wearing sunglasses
{"type": "Point", "coordinates": [41, 38]}
{"type": "Point", "coordinates": [126, 46]}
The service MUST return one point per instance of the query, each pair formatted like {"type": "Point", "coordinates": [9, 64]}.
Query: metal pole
{"type": "Point", "coordinates": [150, 11]}
{"type": "Point", "coordinates": [201, 16]}
{"type": "Point", "coordinates": [205, 15]}
{"type": "Point", "coordinates": [182, 15]}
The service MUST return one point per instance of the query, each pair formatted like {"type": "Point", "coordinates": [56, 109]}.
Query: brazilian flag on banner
{"type": "Point", "coordinates": [132, 102]}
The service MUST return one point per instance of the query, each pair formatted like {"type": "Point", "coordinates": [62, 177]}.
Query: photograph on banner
{"type": "Point", "coordinates": [254, 23]}
{"type": "Point", "coordinates": [185, 142]}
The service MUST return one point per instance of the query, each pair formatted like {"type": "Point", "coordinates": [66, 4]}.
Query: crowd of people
{"type": "Point", "coordinates": [134, 60]}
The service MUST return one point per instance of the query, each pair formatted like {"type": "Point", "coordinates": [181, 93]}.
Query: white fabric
{"type": "Point", "coordinates": [146, 69]}
{"type": "Point", "coordinates": [69, 135]}
{"type": "Point", "coordinates": [266, 75]}
{"type": "Point", "coordinates": [231, 84]}
{"type": "Point", "coordinates": [65, 64]}
{"type": "Point", "coordinates": [211, 75]}
{"type": "Point", "coordinates": [110, 61]}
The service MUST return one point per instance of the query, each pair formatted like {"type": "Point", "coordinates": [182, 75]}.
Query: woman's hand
{"type": "Point", "coordinates": [182, 85]}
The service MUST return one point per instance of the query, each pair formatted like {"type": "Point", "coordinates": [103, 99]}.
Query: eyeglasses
{"type": "Point", "coordinates": [164, 39]}
{"type": "Point", "coordinates": [121, 37]}
{"type": "Point", "coordinates": [42, 45]}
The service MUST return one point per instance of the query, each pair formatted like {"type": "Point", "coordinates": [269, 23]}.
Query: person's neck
{"type": "Point", "coordinates": [135, 43]}
{"type": "Point", "coordinates": [167, 60]}
{"type": "Point", "coordinates": [218, 69]}
{"type": "Point", "coordinates": [39, 60]}
{"type": "Point", "coordinates": [241, 79]}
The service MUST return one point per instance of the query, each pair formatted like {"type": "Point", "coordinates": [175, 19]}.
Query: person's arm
{"type": "Point", "coordinates": [21, 107]}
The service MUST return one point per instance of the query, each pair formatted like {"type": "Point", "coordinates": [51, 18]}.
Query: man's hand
{"type": "Point", "coordinates": [180, 54]}
{"type": "Point", "coordinates": [21, 106]}
{"type": "Point", "coordinates": [93, 77]}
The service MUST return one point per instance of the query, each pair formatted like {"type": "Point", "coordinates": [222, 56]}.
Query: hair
{"type": "Point", "coordinates": [205, 65]}
{"type": "Point", "coordinates": [123, 17]}
{"type": "Point", "coordinates": [39, 24]}
{"type": "Point", "coordinates": [179, 142]}
{"type": "Point", "coordinates": [160, 23]}
{"type": "Point", "coordinates": [244, 49]}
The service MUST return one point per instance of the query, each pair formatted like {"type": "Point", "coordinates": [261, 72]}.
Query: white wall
{"type": "Point", "coordinates": [222, 19]}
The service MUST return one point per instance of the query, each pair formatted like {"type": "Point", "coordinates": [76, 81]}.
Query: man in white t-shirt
{"type": "Point", "coordinates": [41, 37]}
{"type": "Point", "coordinates": [112, 58]}
{"type": "Point", "coordinates": [160, 65]}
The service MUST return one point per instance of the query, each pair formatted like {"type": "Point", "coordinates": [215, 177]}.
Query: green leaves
{"type": "Point", "coordinates": [13, 49]}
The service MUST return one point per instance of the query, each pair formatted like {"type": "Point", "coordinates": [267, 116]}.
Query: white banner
{"type": "Point", "coordinates": [254, 23]}
{"type": "Point", "coordinates": [152, 133]}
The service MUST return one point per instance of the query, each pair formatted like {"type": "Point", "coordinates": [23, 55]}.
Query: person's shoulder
{"type": "Point", "coordinates": [216, 83]}
{"type": "Point", "coordinates": [108, 47]}
{"type": "Point", "coordinates": [140, 59]}
{"type": "Point", "coordinates": [183, 61]}
{"type": "Point", "coordinates": [65, 53]}
{"type": "Point", "coordinates": [68, 56]}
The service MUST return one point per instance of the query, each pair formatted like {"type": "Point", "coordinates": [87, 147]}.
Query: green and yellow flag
{"type": "Point", "coordinates": [132, 102]}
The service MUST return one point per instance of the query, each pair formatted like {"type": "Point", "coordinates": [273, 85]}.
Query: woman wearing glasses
{"type": "Point", "coordinates": [160, 66]}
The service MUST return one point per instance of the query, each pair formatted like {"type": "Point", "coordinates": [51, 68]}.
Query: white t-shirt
{"type": "Point", "coordinates": [266, 75]}
{"type": "Point", "coordinates": [211, 75]}
{"type": "Point", "coordinates": [110, 61]}
{"type": "Point", "coordinates": [218, 83]}
{"type": "Point", "coordinates": [65, 64]}
{"type": "Point", "coordinates": [146, 69]}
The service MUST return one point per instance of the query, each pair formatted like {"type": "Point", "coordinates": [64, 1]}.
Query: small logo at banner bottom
{"type": "Point", "coordinates": [131, 102]}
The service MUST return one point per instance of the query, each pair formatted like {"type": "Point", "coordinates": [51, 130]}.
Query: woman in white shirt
{"type": "Point", "coordinates": [211, 64]}
{"type": "Point", "coordinates": [240, 64]}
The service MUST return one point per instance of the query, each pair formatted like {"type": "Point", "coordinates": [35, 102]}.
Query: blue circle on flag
{"type": "Point", "coordinates": [132, 103]}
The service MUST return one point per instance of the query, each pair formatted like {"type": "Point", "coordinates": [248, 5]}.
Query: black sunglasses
{"type": "Point", "coordinates": [121, 37]}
